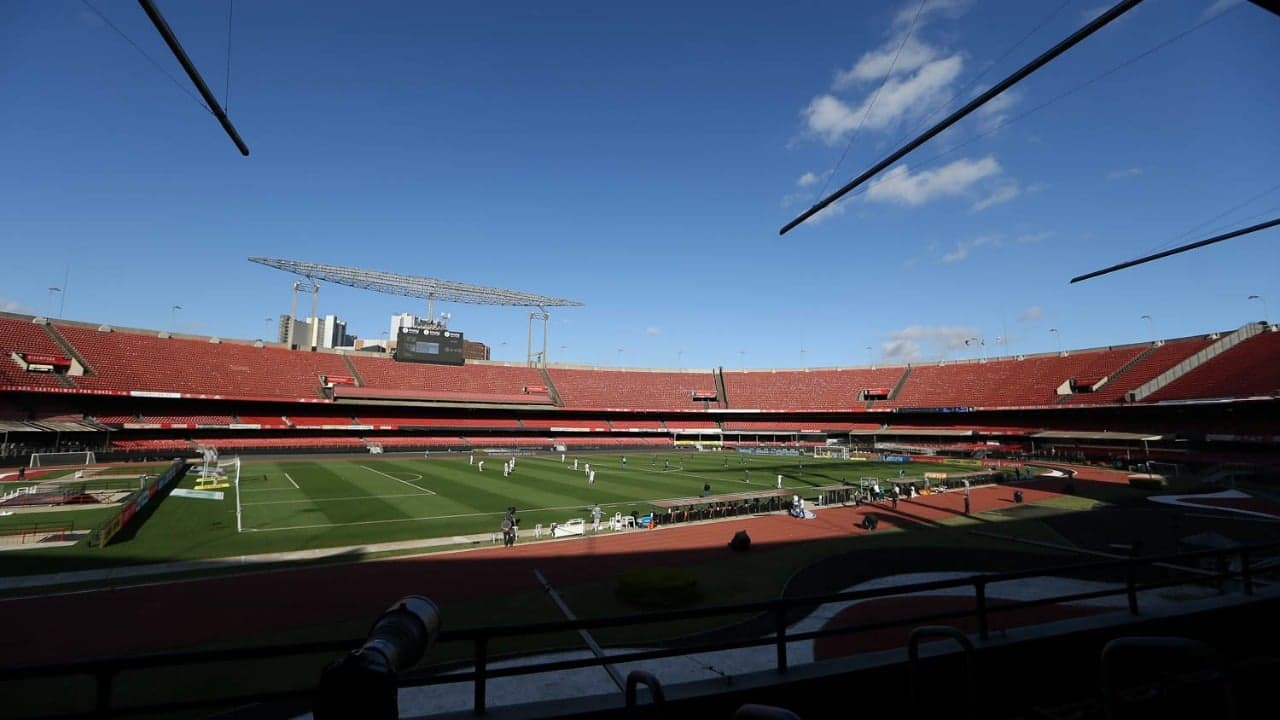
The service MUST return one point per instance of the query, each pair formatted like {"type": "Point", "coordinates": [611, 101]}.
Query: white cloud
{"type": "Point", "coordinates": [916, 75]}
{"type": "Point", "coordinates": [995, 113]}
{"type": "Point", "coordinates": [830, 118]}
{"type": "Point", "coordinates": [653, 330]}
{"type": "Point", "coordinates": [835, 209]}
{"type": "Point", "coordinates": [916, 342]}
{"type": "Point", "coordinates": [908, 11]}
{"type": "Point", "coordinates": [806, 180]}
{"type": "Point", "coordinates": [1031, 314]}
{"type": "Point", "coordinates": [964, 247]}
{"type": "Point", "coordinates": [875, 64]}
{"type": "Point", "coordinates": [1088, 14]}
{"type": "Point", "coordinates": [1126, 173]}
{"type": "Point", "coordinates": [900, 186]}
{"type": "Point", "coordinates": [1001, 194]}
{"type": "Point", "coordinates": [911, 96]}
{"type": "Point", "coordinates": [1219, 7]}
{"type": "Point", "coordinates": [16, 306]}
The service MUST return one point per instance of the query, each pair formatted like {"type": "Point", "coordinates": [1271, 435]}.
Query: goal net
{"type": "Point", "coordinates": [839, 452]}
{"type": "Point", "coordinates": [62, 459]}
{"type": "Point", "coordinates": [219, 474]}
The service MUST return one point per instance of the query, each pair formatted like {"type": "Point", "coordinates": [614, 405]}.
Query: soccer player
{"type": "Point", "coordinates": [480, 466]}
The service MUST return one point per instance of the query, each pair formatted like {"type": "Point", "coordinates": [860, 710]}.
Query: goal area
{"type": "Point", "coordinates": [836, 452]}
{"type": "Point", "coordinates": [63, 459]}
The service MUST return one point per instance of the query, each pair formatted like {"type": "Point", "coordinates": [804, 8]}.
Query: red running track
{"type": "Point", "coordinates": [119, 621]}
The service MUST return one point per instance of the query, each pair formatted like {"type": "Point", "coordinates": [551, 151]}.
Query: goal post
{"type": "Point", "coordinates": [63, 459]}
{"type": "Point", "coordinates": [235, 482]}
{"type": "Point", "coordinates": [835, 452]}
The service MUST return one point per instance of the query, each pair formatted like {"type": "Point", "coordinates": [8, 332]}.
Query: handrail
{"type": "Point", "coordinates": [105, 670]}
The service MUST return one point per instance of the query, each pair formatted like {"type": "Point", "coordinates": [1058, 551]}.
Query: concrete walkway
{"type": "Point", "coordinates": [724, 666]}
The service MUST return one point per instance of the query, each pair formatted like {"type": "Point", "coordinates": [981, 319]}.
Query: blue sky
{"type": "Point", "coordinates": [640, 158]}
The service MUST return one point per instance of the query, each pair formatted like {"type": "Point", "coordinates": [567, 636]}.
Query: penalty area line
{"type": "Point", "coordinates": [405, 482]}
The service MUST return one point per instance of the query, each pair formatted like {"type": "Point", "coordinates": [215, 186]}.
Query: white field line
{"type": "Point", "coordinates": [332, 499]}
{"type": "Point", "coordinates": [580, 508]}
{"type": "Point", "coordinates": [290, 479]}
{"type": "Point", "coordinates": [404, 482]}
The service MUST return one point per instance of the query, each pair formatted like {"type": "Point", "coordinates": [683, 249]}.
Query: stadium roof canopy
{"type": "Point", "coordinates": [414, 286]}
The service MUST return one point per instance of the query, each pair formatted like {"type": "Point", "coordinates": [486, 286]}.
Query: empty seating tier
{"type": "Point", "coordinates": [179, 420]}
{"type": "Point", "coordinates": [322, 420]}
{"type": "Point", "coordinates": [773, 426]}
{"type": "Point", "coordinates": [128, 361]}
{"type": "Point", "coordinates": [632, 389]}
{"type": "Point", "coordinates": [395, 423]}
{"type": "Point", "coordinates": [1152, 364]}
{"type": "Point", "coordinates": [417, 442]}
{"type": "Point", "coordinates": [806, 389]}
{"type": "Point", "coordinates": [284, 443]}
{"type": "Point", "coordinates": [1250, 369]}
{"type": "Point", "coordinates": [473, 382]}
{"type": "Point", "coordinates": [24, 336]}
{"type": "Point", "coordinates": [1006, 382]}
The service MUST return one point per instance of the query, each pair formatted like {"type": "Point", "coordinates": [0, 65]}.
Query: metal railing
{"type": "Point", "coordinates": [778, 611]}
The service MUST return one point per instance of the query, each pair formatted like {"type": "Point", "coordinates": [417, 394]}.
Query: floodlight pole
{"type": "Point", "coordinates": [293, 316]}
{"type": "Point", "coordinates": [293, 309]}
{"type": "Point", "coordinates": [314, 323]}
{"type": "Point", "coordinates": [540, 313]}
{"type": "Point", "coordinates": [176, 48]}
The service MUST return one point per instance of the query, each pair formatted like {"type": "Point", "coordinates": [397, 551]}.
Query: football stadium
{"type": "Point", "coordinates": [200, 525]}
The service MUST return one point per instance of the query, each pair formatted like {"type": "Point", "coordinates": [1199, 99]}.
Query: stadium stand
{"type": "Point", "coordinates": [153, 445]}
{"type": "Point", "coordinates": [463, 383]}
{"type": "Point", "coordinates": [265, 421]}
{"type": "Point", "coordinates": [1249, 369]}
{"type": "Point", "coordinates": [322, 420]}
{"type": "Point", "coordinates": [809, 389]}
{"type": "Point", "coordinates": [23, 336]}
{"type": "Point", "coordinates": [284, 443]}
{"type": "Point", "coordinates": [399, 442]}
{"type": "Point", "coordinates": [129, 361]}
{"type": "Point", "coordinates": [548, 424]}
{"type": "Point", "coordinates": [396, 422]}
{"type": "Point", "coordinates": [1007, 382]}
{"type": "Point", "coordinates": [1150, 364]}
{"type": "Point", "coordinates": [507, 441]}
{"type": "Point", "coordinates": [691, 422]}
{"type": "Point", "coordinates": [632, 389]}
{"type": "Point", "coordinates": [773, 425]}
{"type": "Point", "coordinates": [177, 420]}
{"type": "Point", "coordinates": [602, 442]}
{"type": "Point", "coordinates": [629, 424]}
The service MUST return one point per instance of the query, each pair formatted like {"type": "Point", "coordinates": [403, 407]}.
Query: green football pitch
{"type": "Point", "coordinates": [309, 503]}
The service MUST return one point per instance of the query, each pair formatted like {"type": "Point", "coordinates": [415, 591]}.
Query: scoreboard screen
{"type": "Point", "coordinates": [429, 345]}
